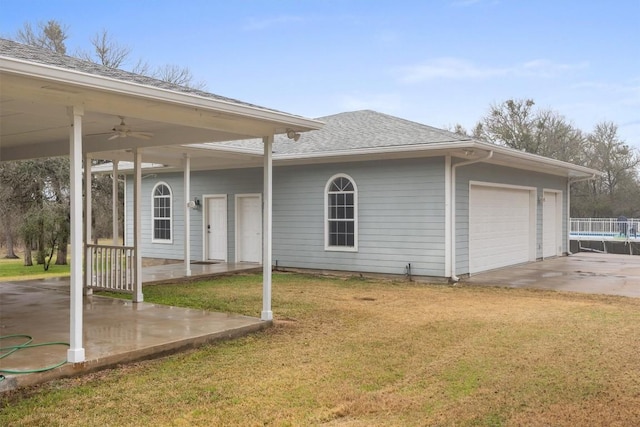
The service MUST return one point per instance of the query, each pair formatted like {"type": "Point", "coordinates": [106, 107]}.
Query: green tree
{"type": "Point", "coordinates": [9, 209]}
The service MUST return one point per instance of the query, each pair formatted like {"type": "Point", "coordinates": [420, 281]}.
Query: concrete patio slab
{"type": "Point", "coordinates": [115, 331]}
{"type": "Point", "coordinates": [594, 273]}
{"type": "Point", "coordinates": [169, 273]}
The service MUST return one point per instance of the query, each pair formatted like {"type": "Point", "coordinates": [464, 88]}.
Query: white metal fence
{"type": "Point", "coordinates": [605, 227]}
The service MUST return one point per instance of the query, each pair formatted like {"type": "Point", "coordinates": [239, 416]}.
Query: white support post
{"type": "Point", "coordinates": [137, 227]}
{"type": "Point", "coordinates": [75, 353]}
{"type": "Point", "coordinates": [448, 205]}
{"type": "Point", "coordinates": [114, 204]}
{"type": "Point", "coordinates": [267, 314]}
{"type": "Point", "coordinates": [88, 221]}
{"type": "Point", "coordinates": [124, 212]}
{"type": "Point", "coordinates": [567, 236]}
{"type": "Point", "coordinates": [187, 215]}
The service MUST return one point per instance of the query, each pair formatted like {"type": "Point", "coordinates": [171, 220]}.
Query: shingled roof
{"type": "Point", "coordinates": [15, 50]}
{"type": "Point", "coordinates": [357, 130]}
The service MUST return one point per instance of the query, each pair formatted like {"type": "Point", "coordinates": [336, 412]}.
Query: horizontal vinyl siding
{"type": "Point", "coordinates": [501, 175]}
{"type": "Point", "coordinates": [229, 182]}
{"type": "Point", "coordinates": [224, 182]}
{"type": "Point", "coordinates": [400, 217]}
{"type": "Point", "coordinates": [401, 214]}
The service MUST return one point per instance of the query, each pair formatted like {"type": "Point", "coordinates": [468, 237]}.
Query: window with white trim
{"type": "Point", "coordinates": [341, 214]}
{"type": "Point", "coordinates": [161, 213]}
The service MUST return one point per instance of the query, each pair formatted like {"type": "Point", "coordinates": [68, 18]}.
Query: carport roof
{"type": "Point", "coordinates": [37, 86]}
{"type": "Point", "coordinates": [34, 54]}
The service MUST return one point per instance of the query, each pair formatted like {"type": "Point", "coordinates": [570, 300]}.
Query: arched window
{"type": "Point", "coordinates": [341, 214]}
{"type": "Point", "coordinates": [161, 213]}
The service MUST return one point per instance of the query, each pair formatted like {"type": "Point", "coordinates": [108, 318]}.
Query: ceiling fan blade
{"type": "Point", "coordinates": [140, 135]}
{"type": "Point", "coordinates": [99, 133]}
{"type": "Point", "coordinates": [114, 136]}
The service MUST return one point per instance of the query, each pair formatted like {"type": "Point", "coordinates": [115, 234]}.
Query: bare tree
{"type": "Point", "coordinates": [177, 75]}
{"type": "Point", "coordinates": [516, 124]}
{"type": "Point", "coordinates": [618, 192]}
{"type": "Point", "coordinates": [106, 51]}
{"type": "Point", "coordinates": [142, 67]}
{"type": "Point", "coordinates": [50, 35]}
{"type": "Point", "coordinates": [612, 156]}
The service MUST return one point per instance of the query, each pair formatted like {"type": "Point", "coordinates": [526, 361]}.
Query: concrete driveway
{"type": "Point", "coordinates": [583, 272]}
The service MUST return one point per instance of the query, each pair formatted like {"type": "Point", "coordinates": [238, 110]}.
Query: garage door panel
{"type": "Point", "coordinates": [499, 227]}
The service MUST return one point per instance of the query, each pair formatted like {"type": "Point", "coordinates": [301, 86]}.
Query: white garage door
{"type": "Point", "coordinates": [500, 227]}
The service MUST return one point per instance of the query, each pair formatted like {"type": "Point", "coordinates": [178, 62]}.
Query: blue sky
{"type": "Point", "coordinates": [438, 62]}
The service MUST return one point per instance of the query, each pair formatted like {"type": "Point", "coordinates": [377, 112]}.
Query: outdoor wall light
{"type": "Point", "coordinates": [194, 204]}
{"type": "Point", "coordinates": [292, 134]}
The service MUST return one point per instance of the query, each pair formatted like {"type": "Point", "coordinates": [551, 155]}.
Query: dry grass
{"type": "Point", "coordinates": [362, 353]}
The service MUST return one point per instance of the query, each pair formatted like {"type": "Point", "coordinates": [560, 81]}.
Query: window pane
{"type": "Point", "coordinates": [350, 240]}
{"type": "Point", "coordinates": [341, 213]}
{"type": "Point", "coordinates": [333, 240]}
{"type": "Point", "coordinates": [162, 213]}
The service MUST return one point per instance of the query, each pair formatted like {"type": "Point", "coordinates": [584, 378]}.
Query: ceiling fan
{"type": "Point", "coordinates": [123, 131]}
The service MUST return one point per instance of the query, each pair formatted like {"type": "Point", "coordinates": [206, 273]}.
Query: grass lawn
{"type": "Point", "coordinates": [361, 353]}
{"type": "Point", "coordinates": [12, 269]}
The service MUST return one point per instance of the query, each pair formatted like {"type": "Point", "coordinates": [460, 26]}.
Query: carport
{"type": "Point", "coordinates": [55, 105]}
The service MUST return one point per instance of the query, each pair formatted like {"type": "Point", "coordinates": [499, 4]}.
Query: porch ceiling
{"type": "Point", "coordinates": [34, 121]}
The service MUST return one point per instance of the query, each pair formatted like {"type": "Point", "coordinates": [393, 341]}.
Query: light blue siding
{"type": "Point", "coordinates": [400, 217]}
{"type": "Point", "coordinates": [401, 214]}
{"type": "Point", "coordinates": [502, 175]}
{"type": "Point", "coordinates": [228, 182]}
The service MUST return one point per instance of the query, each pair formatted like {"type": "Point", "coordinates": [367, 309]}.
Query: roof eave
{"type": "Point", "coordinates": [572, 169]}
{"type": "Point", "coordinates": [90, 81]}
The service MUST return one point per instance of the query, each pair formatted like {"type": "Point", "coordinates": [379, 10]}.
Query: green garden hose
{"type": "Point", "coordinates": [9, 350]}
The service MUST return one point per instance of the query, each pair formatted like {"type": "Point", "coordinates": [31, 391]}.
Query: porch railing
{"type": "Point", "coordinates": [605, 227]}
{"type": "Point", "coordinates": [110, 267]}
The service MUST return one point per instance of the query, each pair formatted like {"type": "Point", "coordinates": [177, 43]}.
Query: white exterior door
{"type": "Point", "coordinates": [248, 228]}
{"type": "Point", "coordinates": [216, 228]}
{"type": "Point", "coordinates": [551, 224]}
{"type": "Point", "coordinates": [501, 227]}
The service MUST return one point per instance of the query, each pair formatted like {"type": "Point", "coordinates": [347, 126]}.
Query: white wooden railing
{"type": "Point", "coordinates": [605, 227]}
{"type": "Point", "coordinates": [110, 267]}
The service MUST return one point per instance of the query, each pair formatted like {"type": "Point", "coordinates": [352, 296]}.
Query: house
{"type": "Point", "coordinates": [367, 193]}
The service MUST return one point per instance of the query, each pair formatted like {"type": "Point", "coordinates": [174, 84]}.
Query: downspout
{"type": "Point", "coordinates": [453, 276]}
